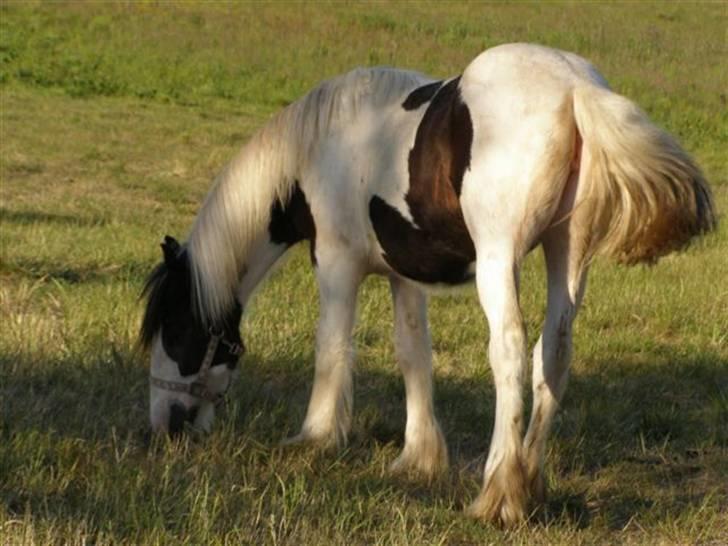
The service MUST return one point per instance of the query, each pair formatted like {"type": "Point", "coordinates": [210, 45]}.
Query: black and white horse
{"type": "Point", "coordinates": [427, 182]}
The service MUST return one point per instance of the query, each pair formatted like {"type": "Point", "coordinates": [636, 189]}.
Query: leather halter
{"type": "Point", "coordinates": [198, 388]}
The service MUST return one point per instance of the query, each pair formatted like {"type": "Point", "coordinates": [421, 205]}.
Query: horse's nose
{"type": "Point", "coordinates": [178, 416]}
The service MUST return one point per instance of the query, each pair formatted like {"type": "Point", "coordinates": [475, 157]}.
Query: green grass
{"type": "Point", "coordinates": [114, 118]}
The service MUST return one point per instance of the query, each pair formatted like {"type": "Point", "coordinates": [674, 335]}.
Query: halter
{"type": "Point", "coordinates": [198, 388]}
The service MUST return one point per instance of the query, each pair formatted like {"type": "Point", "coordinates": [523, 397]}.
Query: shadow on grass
{"type": "Point", "coordinates": [646, 418]}
{"type": "Point", "coordinates": [88, 273]}
{"type": "Point", "coordinates": [27, 217]}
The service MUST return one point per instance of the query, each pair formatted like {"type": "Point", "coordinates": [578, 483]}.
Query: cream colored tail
{"type": "Point", "coordinates": [643, 194]}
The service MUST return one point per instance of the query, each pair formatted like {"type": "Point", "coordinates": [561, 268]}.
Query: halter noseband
{"type": "Point", "coordinates": [198, 388]}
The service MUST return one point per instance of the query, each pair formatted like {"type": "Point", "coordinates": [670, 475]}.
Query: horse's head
{"type": "Point", "coordinates": [193, 363]}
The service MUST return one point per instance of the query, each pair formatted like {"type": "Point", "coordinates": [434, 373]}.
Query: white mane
{"type": "Point", "coordinates": [237, 209]}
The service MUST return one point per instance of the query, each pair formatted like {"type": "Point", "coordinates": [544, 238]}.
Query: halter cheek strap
{"type": "Point", "coordinates": [198, 388]}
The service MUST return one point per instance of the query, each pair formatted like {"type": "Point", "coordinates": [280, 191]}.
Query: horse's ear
{"type": "Point", "coordinates": [171, 250]}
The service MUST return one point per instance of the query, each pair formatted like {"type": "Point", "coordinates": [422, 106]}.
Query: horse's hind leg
{"type": "Point", "coordinates": [504, 495]}
{"type": "Point", "coordinates": [328, 418]}
{"type": "Point", "coordinates": [424, 450]}
{"type": "Point", "coordinates": [508, 200]}
{"type": "Point", "coordinates": [567, 271]}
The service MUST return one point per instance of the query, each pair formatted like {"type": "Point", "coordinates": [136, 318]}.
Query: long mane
{"type": "Point", "coordinates": [153, 291]}
{"type": "Point", "coordinates": [237, 209]}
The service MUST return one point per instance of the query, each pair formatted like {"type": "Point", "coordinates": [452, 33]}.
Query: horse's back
{"type": "Point", "coordinates": [511, 85]}
{"type": "Point", "coordinates": [530, 65]}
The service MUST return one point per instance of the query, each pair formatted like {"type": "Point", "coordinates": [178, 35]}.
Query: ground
{"type": "Point", "coordinates": [115, 118]}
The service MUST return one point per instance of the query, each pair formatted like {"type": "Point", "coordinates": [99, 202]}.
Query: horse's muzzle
{"type": "Point", "coordinates": [178, 416]}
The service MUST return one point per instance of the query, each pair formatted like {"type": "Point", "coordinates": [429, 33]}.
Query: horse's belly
{"type": "Point", "coordinates": [442, 253]}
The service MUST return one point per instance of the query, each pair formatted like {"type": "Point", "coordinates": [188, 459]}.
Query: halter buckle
{"type": "Point", "coordinates": [200, 390]}
{"type": "Point", "coordinates": [235, 349]}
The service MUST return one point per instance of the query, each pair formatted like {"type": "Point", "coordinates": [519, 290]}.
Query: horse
{"type": "Point", "coordinates": [427, 182]}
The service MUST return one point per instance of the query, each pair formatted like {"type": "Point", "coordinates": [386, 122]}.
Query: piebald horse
{"type": "Point", "coordinates": [429, 183]}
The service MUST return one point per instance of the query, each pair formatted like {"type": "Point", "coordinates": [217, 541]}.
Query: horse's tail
{"type": "Point", "coordinates": [644, 195]}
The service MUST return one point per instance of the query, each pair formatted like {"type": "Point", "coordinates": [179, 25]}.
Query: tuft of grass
{"type": "Point", "coordinates": [113, 120]}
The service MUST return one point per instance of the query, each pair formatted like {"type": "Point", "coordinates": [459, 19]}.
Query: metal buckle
{"type": "Point", "coordinates": [235, 349]}
{"type": "Point", "coordinates": [199, 390]}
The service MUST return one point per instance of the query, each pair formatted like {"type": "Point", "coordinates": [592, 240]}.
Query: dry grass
{"type": "Point", "coordinates": [113, 121]}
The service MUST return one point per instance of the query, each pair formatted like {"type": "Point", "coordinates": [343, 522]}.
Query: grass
{"type": "Point", "coordinates": [114, 118]}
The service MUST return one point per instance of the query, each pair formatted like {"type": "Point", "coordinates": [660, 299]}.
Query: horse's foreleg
{"type": "Point", "coordinates": [424, 450]}
{"type": "Point", "coordinates": [328, 418]}
{"type": "Point", "coordinates": [504, 494]}
{"type": "Point", "coordinates": [552, 354]}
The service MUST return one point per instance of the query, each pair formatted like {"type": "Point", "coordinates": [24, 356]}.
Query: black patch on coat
{"type": "Point", "coordinates": [418, 254]}
{"type": "Point", "coordinates": [421, 95]}
{"type": "Point", "coordinates": [292, 223]}
{"type": "Point", "coordinates": [441, 250]}
{"type": "Point", "coordinates": [169, 308]}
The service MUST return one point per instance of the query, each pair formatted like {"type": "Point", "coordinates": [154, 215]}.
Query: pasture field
{"type": "Point", "coordinates": [113, 120]}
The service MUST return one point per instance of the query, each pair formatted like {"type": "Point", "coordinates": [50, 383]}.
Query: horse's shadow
{"type": "Point", "coordinates": [637, 415]}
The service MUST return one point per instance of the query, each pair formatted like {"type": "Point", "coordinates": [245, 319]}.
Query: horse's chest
{"type": "Point", "coordinates": [437, 247]}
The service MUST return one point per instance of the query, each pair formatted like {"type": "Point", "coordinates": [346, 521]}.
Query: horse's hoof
{"type": "Point", "coordinates": [537, 489]}
{"type": "Point", "coordinates": [424, 454]}
{"type": "Point", "coordinates": [496, 509]}
{"type": "Point", "coordinates": [298, 439]}
{"type": "Point", "coordinates": [427, 466]}
{"type": "Point", "coordinates": [504, 498]}
{"type": "Point", "coordinates": [305, 438]}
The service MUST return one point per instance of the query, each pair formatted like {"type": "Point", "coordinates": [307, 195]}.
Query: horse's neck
{"type": "Point", "coordinates": [262, 257]}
